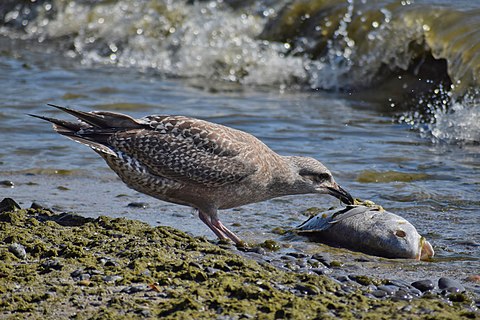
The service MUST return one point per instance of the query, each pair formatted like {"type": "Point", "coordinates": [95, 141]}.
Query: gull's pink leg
{"type": "Point", "coordinates": [206, 219]}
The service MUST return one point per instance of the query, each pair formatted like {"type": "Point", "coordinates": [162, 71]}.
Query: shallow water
{"type": "Point", "coordinates": [432, 183]}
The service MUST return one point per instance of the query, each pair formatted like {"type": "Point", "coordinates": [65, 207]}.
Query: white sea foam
{"type": "Point", "coordinates": [458, 124]}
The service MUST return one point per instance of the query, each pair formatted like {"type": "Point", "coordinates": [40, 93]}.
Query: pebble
{"type": "Point", "coordinates": [323, 258]}
{"type": "Point", "coordinates": [18, 250]}
{"type": "Point", "coordinates": [7, 183]}
{"type": "Point", "coordinates": [108, 262]}
{"type": "Point", "coordinates": [114, 278]}
{"type": "Point", "coordinates": [450, 285]}
{"type": "Point", "coordinates": [379, 293]}
{"type": "Point", "coordinates": [402, 295]}
{"type": "Point", "coordinates": [307, 289]}
{"type": "Point", "coordinates": [297, 255]}
{"type": "Point", "coordinates": [424, 285]}
{"type": "Point", "coordinates": [37, 206]}
{"type": "Point", "coordinates": [8, 204]}
{"type": "Point", "coordinates": [389, 289]}
{"type": "Point", "coordinates": [135, 288]}
{"type": "Point", "coordinates": [50, 265]}
{"type": "Point", "coordinates": [399, 283]}
{"type": "Point", "coordinates": [395, 289]}
{"type": "Point", "coordinates": [142, 205]}
{"type": "Point", "coordinates": [211, 270]}
{"type": "Point", "coordinates": [258, 250]}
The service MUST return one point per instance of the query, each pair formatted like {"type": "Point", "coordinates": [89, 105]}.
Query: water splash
{"type": "Point", "coordinates": [444, 119]}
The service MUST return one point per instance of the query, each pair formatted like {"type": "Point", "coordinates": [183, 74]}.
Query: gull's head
{"type": "Point", "coordinates": [311, 176]}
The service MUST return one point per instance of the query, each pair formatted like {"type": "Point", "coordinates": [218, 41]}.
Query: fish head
{"type": "Point", "coordinates": [402, 240]}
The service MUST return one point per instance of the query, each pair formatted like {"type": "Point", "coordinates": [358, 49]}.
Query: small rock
{"type": "Point", "coordinates": [18, 250]}
{"type": "Point", "coordinates": [389, 289]}
{"type": "Point", "coordinates": [135, 288]}
{"type": "Point", "coordinates": [7, 183]}
{"type": "Point", "coordinates": [399, 283]}
{"type": "Point", "coordinates": [76, 273]}
{"type": "Point", "coordinates": [450, 285]}
{"type": "Point", "coordinates": [415, 292]}
{"type": "Point", "coordinates": [84, 276]}
{"type": "Point", "coordinates": [211, 270]}
{"type": "Point", "coordinates": [107, 262]}
{"type": "Point", "coordinates": [258, 250]}
{"type": "Point", "coordinates": [8, 204]}
{"type": "Point", "coordinates": [289, 258]}
{"type": "Point", "coordinates": [297, 255]}
{"type": "Point", "coordinates": [50, 265]}
{"type": "Point", "coordinates": [379, 293]}
{"type": "Point", "coordinates": [402, 295]}
{"type": "Point", "coordinates": [142, 205]}
{"type": "Point", "coordinates": [323, 258]}
{"type": "Point", "coordinates": [114, 278]}
{"type": "Point", "coordinates": [145, 313]}
{"type": "Point", "coordinates": [40, 206]}
{"type": "Point", "coordinates": [407, 308]}
{"type": "Point", "coordinates": [424, 285]}
{"type": "Point", "coordinates": [307, 289]}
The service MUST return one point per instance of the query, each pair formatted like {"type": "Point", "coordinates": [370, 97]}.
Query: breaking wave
{"type": "Point", "coordinates": [398, 48]}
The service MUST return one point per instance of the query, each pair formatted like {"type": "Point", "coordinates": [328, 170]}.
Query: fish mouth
{"type": "Point", "coordinates": [340, 193]}
{"type": "Point", "coordinates": [425, 250]}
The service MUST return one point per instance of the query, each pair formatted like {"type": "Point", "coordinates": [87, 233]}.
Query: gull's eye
{"type": "Point", "coordinates": [315, 177]}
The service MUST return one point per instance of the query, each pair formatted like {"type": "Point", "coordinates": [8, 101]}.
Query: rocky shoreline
{"type": "Point", "coordinates": [66, 266]}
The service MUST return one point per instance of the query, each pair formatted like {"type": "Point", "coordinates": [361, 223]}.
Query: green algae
{"type": "Point", "coordinates": [372, 176]}
{"type": "Point", "coordinates": [179, 277]}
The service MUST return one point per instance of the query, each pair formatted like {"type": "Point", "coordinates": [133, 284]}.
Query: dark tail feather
{"type": "Point", "coordinates": [60, 124]}
{"type": "Point", "coordinates": [71, 130]}
{"type": "Point", "coordinates": [103, 119]}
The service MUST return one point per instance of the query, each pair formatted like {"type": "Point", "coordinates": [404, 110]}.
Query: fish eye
{"type": "Point", "coordinates": [400, 233]}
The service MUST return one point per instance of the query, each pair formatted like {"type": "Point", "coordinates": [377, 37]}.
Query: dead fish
{"type": "Point", "coordinates": [368, 229]}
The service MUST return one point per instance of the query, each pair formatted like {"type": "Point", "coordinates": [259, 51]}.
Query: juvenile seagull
{"type": "Point", "coordinates": [195, 163]}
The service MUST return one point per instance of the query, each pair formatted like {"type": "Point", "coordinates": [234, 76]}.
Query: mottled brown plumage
{"type": "Point", "coordinates": [196, 163]}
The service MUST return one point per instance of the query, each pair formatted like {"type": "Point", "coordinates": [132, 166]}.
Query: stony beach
{"type": "Point", "coordinates": [66, 266]}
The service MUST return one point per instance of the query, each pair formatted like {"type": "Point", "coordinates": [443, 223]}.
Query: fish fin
{"type": "Point", "coordinates": [350, 211]}
{"type": "Point", "coordinates": [315, 224]}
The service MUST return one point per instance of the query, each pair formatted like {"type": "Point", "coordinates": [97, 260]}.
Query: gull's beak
{"type": "Point", "coordinates": [340, 193]}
